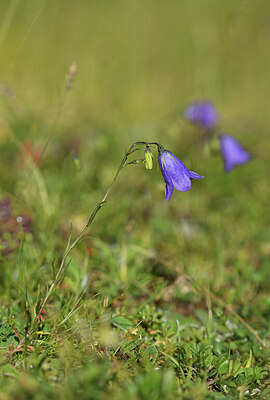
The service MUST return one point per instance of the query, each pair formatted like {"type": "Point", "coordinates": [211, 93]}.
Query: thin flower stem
{"type": "Point", "coordinates": [58, 276]}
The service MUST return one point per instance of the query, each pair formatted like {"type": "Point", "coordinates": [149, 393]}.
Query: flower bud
{"type": "Point", "coordinates": [148, 158]}
{"type": "Point", "coordinates": [77, 162]}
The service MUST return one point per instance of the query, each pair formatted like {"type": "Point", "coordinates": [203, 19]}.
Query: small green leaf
{"type": "Point", "coordinates": [224, 367]}
{"type": "Point", "coordinates": [121, 323]}
{"type": "Point", "coordinates": [248, 363]}
{"type": "Point", "coordinates": [130, 344]}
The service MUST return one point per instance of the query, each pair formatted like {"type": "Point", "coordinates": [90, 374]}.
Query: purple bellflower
{"type": "Point", "coordinates": [232, 152]}
{"type": "Point", "coordinates": [175, 173]}
{"type": "Point", "coordinates": [202, 113]}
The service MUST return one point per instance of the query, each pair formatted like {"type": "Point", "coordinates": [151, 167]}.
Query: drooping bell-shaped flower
{"type": "Point", "coordinates": [232, 152]}
{"type": "Point", "coordinates": [175, 173]}
{"type": "Point", "coordinates": [202, 114]}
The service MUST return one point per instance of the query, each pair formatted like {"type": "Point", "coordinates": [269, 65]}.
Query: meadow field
{"type": "Point", "coordinates": [155, 299]}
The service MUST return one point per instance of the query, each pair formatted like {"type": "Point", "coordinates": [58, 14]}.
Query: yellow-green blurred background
{"type": "Point", "coordinates": [138, 60]}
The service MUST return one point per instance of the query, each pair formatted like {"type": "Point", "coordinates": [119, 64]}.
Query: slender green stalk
{"type": "Point", "coordinates": [58, 276]}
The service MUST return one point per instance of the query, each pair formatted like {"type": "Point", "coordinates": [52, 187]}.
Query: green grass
{"type": "Point", "coordinates": [163, 300]}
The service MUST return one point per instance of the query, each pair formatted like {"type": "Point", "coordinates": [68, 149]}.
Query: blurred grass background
{"type": "Point", "coordinates": [138, 63]}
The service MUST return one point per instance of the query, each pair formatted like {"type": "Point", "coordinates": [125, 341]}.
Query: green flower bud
{"type": "Point", "coordinates": [77, 162]}
{"type": "Point", "coordinates": [148, 158]}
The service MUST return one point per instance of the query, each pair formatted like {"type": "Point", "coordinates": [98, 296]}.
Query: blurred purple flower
{"type": "Point", "coordinates": [5, 210]}
{"type": "Point", "coordinates": [175, 173]}
{"type": "Point", "coordinates": [232, 152]}
{"type": "Point", "coordinates": [202, 113]}
{"type": "Point", "coordinates": [11, 227]}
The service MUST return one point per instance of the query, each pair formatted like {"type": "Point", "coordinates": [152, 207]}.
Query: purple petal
{"type": "Point", "coordinates": [164, 173]}
{"type": "Point", "coordinates": [193, 175]}
{"type": "Point", "coordinates": [169, 186]}
{"type": "Point", "coordinates": [232, 152]}
{"type": "Point", "coordinates": [185, 169]}
{"type": "Point", "coordinates": [177, 172]}
{"type": "Point", "coordinates": [168, 191]}
{"type": "Point", "coordinates": [182, 182]}
{"type": "Point", "coordinates": [209, 115]}
{"type": "Point", "coordinates": [202, 113]}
